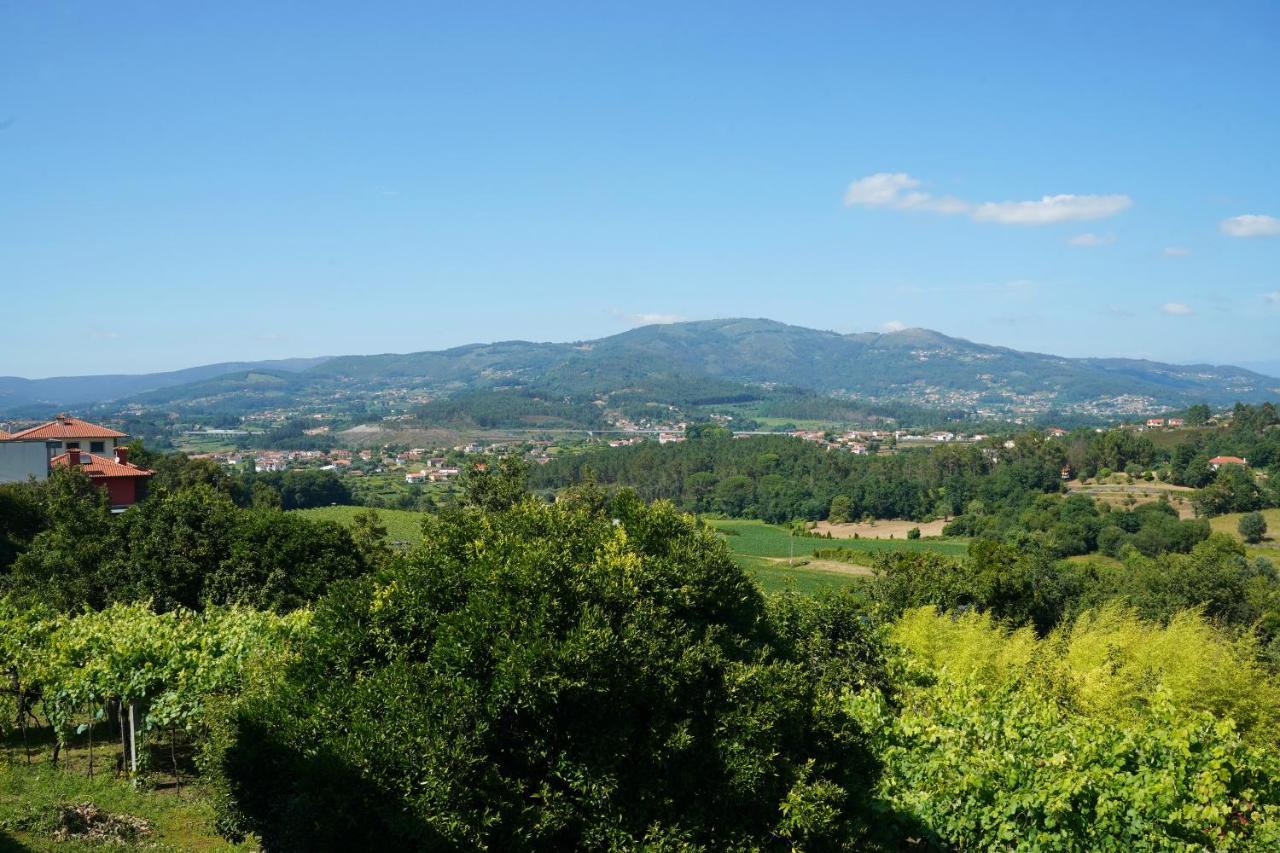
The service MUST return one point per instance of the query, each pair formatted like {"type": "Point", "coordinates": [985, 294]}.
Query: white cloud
{"type": "Point", "coordinates": [654, 319]}
{"type": "Point", "coordinates": [1176, 251]}
{"type": "Point", "coordinates": [900, 191]}
{"type": "Point", "coordinates": [893, 326]}
{"type": "Point", "coordinates": [1089, 239]}
{"type": "Point", "coordinates": [1052, 208]}
{"type": "Point", "coordinates": [897, 190]}
{"type": "Point", "coordinates": [1251, 225]}
{"type": "Point", "coordinates": [1176, 309]}
{"type": "Point", "coordinates": [1272, 298]}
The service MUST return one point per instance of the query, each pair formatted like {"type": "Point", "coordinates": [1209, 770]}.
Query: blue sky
{"type": "Point", "coordinates": [185, 183]}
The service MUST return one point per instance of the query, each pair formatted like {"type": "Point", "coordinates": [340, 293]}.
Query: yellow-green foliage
{"type": "Point", "coordinates": [1108, 664]}
{"type": "Point", "coordinates": [1114, 663]}
{"type": "Point", "coordinates": [964, 645]}
{"type": "Point", "coordinates": [1111, 733]}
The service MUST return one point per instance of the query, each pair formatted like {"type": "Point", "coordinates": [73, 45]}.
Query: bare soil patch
{"type": "Point", "coordinates": [836, 566]}
{"type": "Point", "coordinates": [887, 529]}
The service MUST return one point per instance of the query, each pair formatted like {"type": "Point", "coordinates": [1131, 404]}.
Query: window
{"type": "Point", "coordinates": [73, 445]}
{"type": "Point", "coordinates": [97, 447]}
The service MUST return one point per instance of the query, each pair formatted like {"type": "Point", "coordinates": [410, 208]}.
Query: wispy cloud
{"type": "Point", "coordinates": [1176, 251]}
{"type": "Point", "coordinates": [1251, 225]}
{"type": "Point", "coordinates": [1272, 298]}
{"type": "Point", "coordinates": [1089, 239]}
{"type": "Point", "coordinates": [893, 326]}
{"type": "Point", "coordinates": [901, 191]}
{"type": "Point", "coordinates": [1176, 309]}
{"type": "Point", "coordinates": [649, 319]}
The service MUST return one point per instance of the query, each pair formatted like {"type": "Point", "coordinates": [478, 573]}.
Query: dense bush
{"type": "Point", "coordinates": [1110, 735]}
{"type": "Point", "coordinates": [180, 548]}
{"type": "Point", "coordinates": [545, 677]}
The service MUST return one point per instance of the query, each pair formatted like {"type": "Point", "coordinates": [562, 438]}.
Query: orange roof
{"type": "Point", "coordinates": [1226, 460]}
{"type": "Point", "coordinates": [64, 426]}
{"type": "Point", "coordinates": [100, 466]}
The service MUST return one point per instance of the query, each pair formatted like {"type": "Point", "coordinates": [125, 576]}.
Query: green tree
{"type": "Point", "coordinates": [282, 561]}
{"type": "Point", "coordinates": [840, 510]}
{"type": "Point", "coordinates": [66, 564]}
{"type": "Point", "coordinates": [557, 677]}
{"type": "Point", "coordinates": [1252, 526]}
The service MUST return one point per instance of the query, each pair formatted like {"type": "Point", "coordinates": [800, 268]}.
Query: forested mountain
{"type": "Point", "coordinates": [16, 392]}
{"type": "Point", "coordinates": [708, 360]}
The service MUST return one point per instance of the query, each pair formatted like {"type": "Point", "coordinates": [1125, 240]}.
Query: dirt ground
{"type": "Point", "coordinates": [1142, 493]}
{"type": "Point", "coordinates": [895, 528]}
{"type": "Point", "coordinates": [836, 566]}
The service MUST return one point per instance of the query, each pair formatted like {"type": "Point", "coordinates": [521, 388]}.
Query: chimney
{"type": "Point", "coordinates": [73, 456]}
{"type": "Point", "coordinates": [122, 454]}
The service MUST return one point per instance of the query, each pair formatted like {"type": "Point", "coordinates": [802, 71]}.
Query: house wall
{"type": "Point", "coordinates": [22, 460]}
{"type": "Point", "coordinates": [121, 490]}
{"type": "Point", "coordinates": [87, 445]}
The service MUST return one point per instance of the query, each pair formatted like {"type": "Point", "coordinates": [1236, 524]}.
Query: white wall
{"type": "Point", "coordinates": [22, 460]}
{"type": "Point", "coordinates": [108, 446]}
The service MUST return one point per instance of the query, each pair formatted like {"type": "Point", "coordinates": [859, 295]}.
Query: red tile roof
{"type": "Point", "coordinates": [64, 427]}
{"type": "Point", "coordinates": [100, 466]}
{"type": "Point", "coordinates": [1227, 460]}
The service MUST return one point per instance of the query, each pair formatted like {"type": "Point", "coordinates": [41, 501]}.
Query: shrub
{"type": "Point", "coordinates": [1252, 526]}
{"type": "Point", "coordinates": [540, 677]}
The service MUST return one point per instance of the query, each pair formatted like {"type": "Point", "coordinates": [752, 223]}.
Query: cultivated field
{"type": "Point", "coordinates": [1125, 495]}
{"type": "Point", "coordinates": [891, 529]}
{"type": "Point", "coordinates": [403, 525]}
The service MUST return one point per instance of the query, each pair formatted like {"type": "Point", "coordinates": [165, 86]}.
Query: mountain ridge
{"type": "Point", "coordinates": [915, 365]}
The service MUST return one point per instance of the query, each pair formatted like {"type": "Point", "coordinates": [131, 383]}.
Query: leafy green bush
{"type": "Point", "coordinates": [1252, 526]}
{"type": "Point", "coordinates": [541, 676]}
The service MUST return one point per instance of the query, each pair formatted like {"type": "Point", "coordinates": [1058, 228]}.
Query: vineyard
{"type": "Point", "coordinates": [150, 676]}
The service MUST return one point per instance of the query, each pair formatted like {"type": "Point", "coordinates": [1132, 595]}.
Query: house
{"type": "Point", "coordinates": [1174, 422]}
{"type": "Point", "coordinates": [420, 477]}
{"type": "Point", "coordinates": [124, 482]}
{"type": "Point", "coordinates": [65, 433]}
{"type": "Point", "coordinates": [1218, 461]}
{"type": "Point", "coordinates": [1055, 432]}
{"type": "Point", "coordinates": [1155, 422]}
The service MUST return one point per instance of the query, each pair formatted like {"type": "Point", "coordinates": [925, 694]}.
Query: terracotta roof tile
{"type": "Point", "coordinates": [101, 466]}
{"type": "Point", "coordinates": [66, 427]}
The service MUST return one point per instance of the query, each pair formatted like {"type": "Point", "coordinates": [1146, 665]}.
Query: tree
{"type": "Point", "coordinates": [281, 561]}
{"type": "Point", "coordinates": [65, 566]}
{"type": "Point", "coordinates": [558, 677]}
{"type": "Point", "coordinates": [1252, 526]}
{"type": "Point", "coordinates": [840, 510]}
{"type": "Point", "coordinates": [1198, 414]}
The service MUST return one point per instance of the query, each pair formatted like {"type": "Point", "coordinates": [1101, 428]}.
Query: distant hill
{"type": "Point", "coordinates": [699, 362]}
{"type": "Point", "coordinates": [16, 393]}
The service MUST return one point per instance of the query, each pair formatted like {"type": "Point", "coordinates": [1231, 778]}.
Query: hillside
{"type": "Point", "coordinates": [695, 363]}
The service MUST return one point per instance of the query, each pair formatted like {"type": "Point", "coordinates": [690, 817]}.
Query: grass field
{"type": "Point", "coordinates": [762, 549]}
{"type": "Point", "coordinates": [1270, 545]}
{"type": "Point", "coordinates": [402, 525]}
{"type": "Point", "coordinates": [758, 539]}
{"type": "Point", "coordinates": [31, 794]}
{"type": "Point", "coordinates": [803, 577]}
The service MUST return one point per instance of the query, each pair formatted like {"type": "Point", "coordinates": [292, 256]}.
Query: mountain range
{"type": "Point", "coordinates": [708, 360]}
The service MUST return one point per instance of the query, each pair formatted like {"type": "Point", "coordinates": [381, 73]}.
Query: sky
{"type": "Point", "coordinates": [185, 183]}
